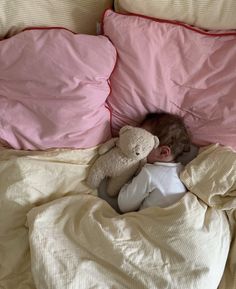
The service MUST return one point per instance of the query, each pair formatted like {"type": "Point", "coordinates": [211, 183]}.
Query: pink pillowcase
{"type": "Point", "coordinates": [177, 69]}
{"type": "Point", "coordinates": [53, 88]}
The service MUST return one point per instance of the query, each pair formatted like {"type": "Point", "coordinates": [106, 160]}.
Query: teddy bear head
{"type": "Point", "coordinates": [135, 142]}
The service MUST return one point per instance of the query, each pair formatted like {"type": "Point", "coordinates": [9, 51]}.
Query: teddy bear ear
{"type": "Point", "coordinates": [157, 142]}
{"type": "Point", "coordinates": [125, 128]}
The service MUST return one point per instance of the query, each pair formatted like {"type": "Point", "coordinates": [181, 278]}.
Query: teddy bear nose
{"type": "Point", "coordinates": [137, 154]}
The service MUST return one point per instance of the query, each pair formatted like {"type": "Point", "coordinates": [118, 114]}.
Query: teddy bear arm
{"type": "Point", "coordinates": [116, 183]}
{"type": "Point", "coordinates": [107, 146]}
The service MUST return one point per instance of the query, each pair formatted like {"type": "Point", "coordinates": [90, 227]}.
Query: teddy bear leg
{"type": "Point", "coordinates": [94, 178]}
{"type": "Point", "coordinates": [113, 186]}
{"type": "Point", "coordinates": [116, 183]}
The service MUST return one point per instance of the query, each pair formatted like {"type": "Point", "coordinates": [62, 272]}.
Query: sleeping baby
{"type": "Point", "coordinates": [158, 183]}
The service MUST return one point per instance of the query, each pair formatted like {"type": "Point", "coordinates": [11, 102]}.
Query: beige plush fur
{"type": "Point", "coordinates": [120, 158]}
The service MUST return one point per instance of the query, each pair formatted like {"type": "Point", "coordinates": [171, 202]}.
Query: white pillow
{"type": "Point", "coordinates": [80, 16]}
{"type": "Point", "coordinates": [208, 14]}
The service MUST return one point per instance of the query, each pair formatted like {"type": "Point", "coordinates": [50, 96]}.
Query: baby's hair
{"type": "Point", "coordinates": [170, 130]}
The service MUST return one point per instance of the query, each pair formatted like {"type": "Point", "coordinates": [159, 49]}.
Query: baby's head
{"type": "Point", "coordinates": [172, 134]}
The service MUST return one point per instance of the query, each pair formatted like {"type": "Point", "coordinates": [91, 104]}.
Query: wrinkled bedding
{"type": "Point", "coordinates": [29, 179]}
{"type": "Point", "coordinates": [212, 177]}
{"type": "Point", "coordinates": [80, 242]}
{"type": "Point", "coordinates": [77, 240]}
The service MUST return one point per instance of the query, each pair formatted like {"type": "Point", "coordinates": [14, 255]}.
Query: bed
{"type": "Point", "coordinates": [72, 73]}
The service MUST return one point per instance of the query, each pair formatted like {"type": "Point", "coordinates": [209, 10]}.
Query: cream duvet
{"type": "Point", "coordinates": [55, 233]}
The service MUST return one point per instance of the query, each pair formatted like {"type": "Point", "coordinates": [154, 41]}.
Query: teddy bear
{"type": "Point", "coordinates": [120, 158]}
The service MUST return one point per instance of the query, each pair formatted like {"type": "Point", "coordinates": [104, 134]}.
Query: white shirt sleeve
{"type": "Point", "coordinates": [132, 194]}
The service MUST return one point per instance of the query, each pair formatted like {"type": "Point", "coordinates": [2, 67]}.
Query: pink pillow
{"type": "Point", "coordinates": [53, 88]}
{"type": "Point", "coordinates": [175, 68]}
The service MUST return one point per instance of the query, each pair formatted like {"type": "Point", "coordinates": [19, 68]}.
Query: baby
{"type": "Point", "coordinates": [158, 183]}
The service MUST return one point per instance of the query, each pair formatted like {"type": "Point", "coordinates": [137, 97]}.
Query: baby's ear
{"type": "Point", "coordinates": [157, 142]}
{"type": "Point", "coordinates": [125, 128]}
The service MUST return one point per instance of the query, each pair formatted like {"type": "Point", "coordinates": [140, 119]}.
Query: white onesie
{"type": "Point", "coordinates": [157, 184]}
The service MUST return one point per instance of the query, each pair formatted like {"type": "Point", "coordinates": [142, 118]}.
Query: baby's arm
{"type": "Point", "coordinates": [132, 194]}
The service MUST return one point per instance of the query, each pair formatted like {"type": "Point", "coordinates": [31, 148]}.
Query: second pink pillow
{"type": "Point", "coordinates": [177, 69]}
